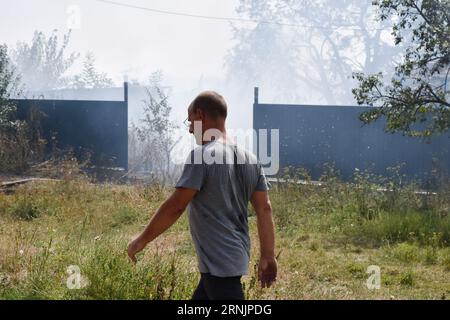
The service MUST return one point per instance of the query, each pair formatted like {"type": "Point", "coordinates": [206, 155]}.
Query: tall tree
{"type": "Point", "coordinates": [263, 56]}
{"type": "Point", "coordinates": [152, 142]}
{"type": "Point", "coordinates": [309, 49]}
{"type": "Point", "coordinates": [419, 90]}
{"type": "Point", "coordinates": [9, 87]}
{"type": "Point", "coordinates": [90, 77]}
{"type": "Point", "coordinates": [20, 143]}
{"type": "Point", "coordinates": [43, 63]}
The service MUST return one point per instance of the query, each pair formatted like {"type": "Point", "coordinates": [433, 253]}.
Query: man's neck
{"type": "Point", "coordinates": [223, 137]}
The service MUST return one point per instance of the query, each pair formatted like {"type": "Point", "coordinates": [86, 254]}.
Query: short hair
{"type": "Point", "coordinates": [211, 104]}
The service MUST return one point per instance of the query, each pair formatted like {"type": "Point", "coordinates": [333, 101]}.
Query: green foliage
{"type": "Point", "coordinates": [86, 225]}
{"type": "Point", "coordinates": [18, 139]}
{"type": "Point", "coordinates": [392, 227]}
{"type": "Point", "coordinates": [416, 101]}
{"type": "Point", "coordinates": [9, 86]}
{"type": "Point", "coordinates": [357, 270]}
{"type": "Point", "coordinates": [152, 143]}
{"type": "Point", "coordinates": [43, 63]}
{"type": "Point", "coordinates": [157, 108]}
{"type": "Point", "coordinates": [299, 63]}
{"type": "Point", "coordinates": [407, 278]}
{"type": "Point", "coordinates": [90, 77]}
{"type": "Point", "coordinates": [124, 215]}
{"type": "Point", "coordinates": [430, 256]}
{"type": "Point", "coordinates": [24, 209]}
{"type": "Point", "coordinates": [445, 259]}
{"type": "Point", "coordinates": [112, 276]}
{"type": "Point", "coordinates": [369, 210]}
{"type": "Point", "coordinates": [405, 252]}
{"type": "Point", "coordinates": [105, 273]}
{"type": "Point", "coordinates": [9, 83]}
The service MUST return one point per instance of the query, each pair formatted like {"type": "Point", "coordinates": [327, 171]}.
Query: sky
{"type": "Point", "coordinates": [190, 51]}
{"type": "Point", "coordinates": [129, 40]}
{"type": "Point", "coordinates": [131, 43]}
{"type": "Point", "coordinates": [134, 42]}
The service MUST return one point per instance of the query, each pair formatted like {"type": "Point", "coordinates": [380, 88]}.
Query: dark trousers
{"type": "Point", "coordinates": [217, 288]}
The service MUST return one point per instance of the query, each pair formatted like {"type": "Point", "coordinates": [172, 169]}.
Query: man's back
{"type": "Point", "coordinates": [216, 191]}
{"type": "Point", "coordinates": [225, 176]}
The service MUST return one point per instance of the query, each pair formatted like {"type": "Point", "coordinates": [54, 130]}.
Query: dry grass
{"type": "Point", "coordinates": [324, 243]}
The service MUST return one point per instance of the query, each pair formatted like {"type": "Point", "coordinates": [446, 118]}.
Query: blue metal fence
{"type": "Point", "coordinates": [313, 137]}
{"type": "Point", "coordinates": [98, 127]}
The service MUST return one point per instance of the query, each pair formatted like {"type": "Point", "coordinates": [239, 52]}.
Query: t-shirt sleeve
{"type": "Point", "coordinates": [193, 175]}
{"type": "Point", "coordinates": [261, 184]}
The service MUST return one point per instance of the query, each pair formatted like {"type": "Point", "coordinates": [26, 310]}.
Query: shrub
{"type": "Point", "coordinates": [407, 278]}
{"type": "Point", "coordinates": [405, 252]}
{"type": "Point", "coordinates": [24, 209]}
{"type": "Point", "coordinates": [392, 227]}
{"type": "Point", "coordinates": [112, 276]}
{"type": "Point", "coordinates": [445, 259]}
{"type": "Point", "coordinates": [430, 255]}
{"type": "Point", "coordinates": [124, 216]}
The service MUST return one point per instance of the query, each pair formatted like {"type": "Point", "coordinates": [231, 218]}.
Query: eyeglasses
{"type": "Point", "coordinates": [187, 123]}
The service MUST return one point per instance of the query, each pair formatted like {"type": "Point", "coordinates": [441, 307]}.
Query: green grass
{"type": "Point", "coordinates": [327, 237]}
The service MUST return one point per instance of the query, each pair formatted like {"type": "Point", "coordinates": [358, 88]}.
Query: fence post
{"type": "Point", "coordinates": [125, 93]}
{"type": "Point", "coordinates": [255, 106]}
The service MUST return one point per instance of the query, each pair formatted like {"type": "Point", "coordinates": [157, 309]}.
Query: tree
{"type": "Point", "coordinates": [307, 50]}
{"type": "Point", "coordinates": [43, 63]}
{"type": "Point", "coordinates": [90, 77]}
{"type": "Point", "coordinates": [152, 143]}
{"type": "Point", "coordinates": [9, 87]}
{"type": "Point", "coordinates": [263, 57]}
{"type": "Point", "coordinates": [416, 101]}
{"type": "Point", "coordinates": [19, 142]}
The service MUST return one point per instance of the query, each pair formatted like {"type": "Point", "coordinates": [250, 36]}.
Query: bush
{"type": "Point", "coordinates": [445, 259]}
{"type": "Point", "coordinates": [124, 216]}
{"type": "Point", "coordinates": [406, 252]}
{"type": "Point", "coordinates": [407, 278]}
{"type": "Point", "coordinates": [369, 210]}
{"type": "Point", "coordinates": [430, 256]}
{"type": "Point", "coordinates": [111, 275]}
{"type": "Point", "coordinates": [24, 209]}
{"type": "Point", "coordinates": [21, 143]}
{"type": "Point", "coordinates": [427, 228]}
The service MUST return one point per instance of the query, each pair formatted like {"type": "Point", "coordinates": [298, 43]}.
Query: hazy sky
{"type": "Point", "coordinates": [128, 40]}
{"type": "Point", "coordinates": [190, 51]}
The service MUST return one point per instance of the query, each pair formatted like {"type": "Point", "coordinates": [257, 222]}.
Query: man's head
{"type": "Point", "coordinates": [210, 109]}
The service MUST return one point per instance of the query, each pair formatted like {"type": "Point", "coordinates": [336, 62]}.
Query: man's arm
{"type": "Point", "coordinates": [267, 271]}
{"type": "Point", "coordinates": [167, 214]}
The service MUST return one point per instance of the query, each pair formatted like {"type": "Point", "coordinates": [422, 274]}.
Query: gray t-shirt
{"type": "Point", "coordinates": [218, 212]}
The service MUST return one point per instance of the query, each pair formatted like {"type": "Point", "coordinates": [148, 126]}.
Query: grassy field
{"type": "Point", "coordinates": [327, 237]}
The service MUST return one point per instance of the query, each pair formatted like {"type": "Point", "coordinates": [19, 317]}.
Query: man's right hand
{"type": "Point", "coordinates": [134, 247]}
{"type": "Point", "coordinates": [267, 271]}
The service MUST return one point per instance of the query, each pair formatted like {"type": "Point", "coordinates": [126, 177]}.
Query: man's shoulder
{"type": "Point", "coordinates": [220, 150]}
{"type": "Point", "coordinates": [246, 155]}
{"type": "Point", "coordinates": [195, 156]}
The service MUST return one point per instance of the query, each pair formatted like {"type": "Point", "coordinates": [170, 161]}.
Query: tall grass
{"type": "Point", "coordinates": [367, 210]}
{"type": "Point", "coordinates": [326, 236]}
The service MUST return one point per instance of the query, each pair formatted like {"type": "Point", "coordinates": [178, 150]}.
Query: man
{"type": "Point", "coordinates": [218, 181]}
